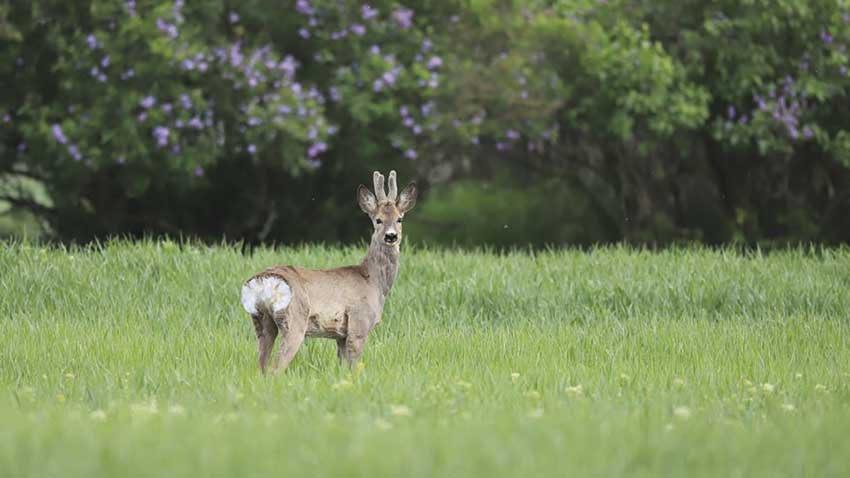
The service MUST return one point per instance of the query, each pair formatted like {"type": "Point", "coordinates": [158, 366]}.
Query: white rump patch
{"type": "Point", "coordinates": [269, 294]}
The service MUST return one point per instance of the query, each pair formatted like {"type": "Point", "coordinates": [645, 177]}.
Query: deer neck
{"type": "Point", "coordinates": [381, 264]}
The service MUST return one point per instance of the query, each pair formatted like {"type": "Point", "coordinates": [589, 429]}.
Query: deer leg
{"type": "Point", "coordinates": [266, 335]}
{"type": "Point", "coordinates": [293, 331]}
{"type": "Point", "coordinates": [353, 349]}
{"type": "Point", "coordinates": [340, 349]}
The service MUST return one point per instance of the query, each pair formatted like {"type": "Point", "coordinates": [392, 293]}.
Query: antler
{"type": "Point", "coordinates": [380, 194]}
{"type": "Point", "coordinates": [392, 195]}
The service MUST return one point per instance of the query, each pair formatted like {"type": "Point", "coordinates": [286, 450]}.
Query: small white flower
{"type": "Point", "coordinates": [400, 411]}
{"type": "Point", "coordinates": [176, 409]}
{"type": "Point", "coordinates": [820, 388]}
{"type": "Point", "coordinates": [788, 407]}
{"type": "Point", "coordinates": [573, 391]}
{"type": "Point", "coordinates": [98, 415]}
{"type": "Point", "coordinates": [682, 412]}
{"type": "Point", "coordinates": [536, 413]}
{"type": "Point", "coordinates": [514, 376]}
{"type": "Point", "coordinates": [383, 424]}
{"type": "Point", "coordinates": [767, 387]}
{"type": "Point", "coordinates": [678, 382]}
{"type": "Point", "coordinates": [341, 385]}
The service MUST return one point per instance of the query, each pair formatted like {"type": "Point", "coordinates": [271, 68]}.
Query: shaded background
{"type": "Point", "coordinates": [550, 122]}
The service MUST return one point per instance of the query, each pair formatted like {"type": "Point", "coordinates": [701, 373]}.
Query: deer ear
{"type": "Point", "coordinates": [407, 198]}
{"type": "Point", "coordinates": [366, 200]}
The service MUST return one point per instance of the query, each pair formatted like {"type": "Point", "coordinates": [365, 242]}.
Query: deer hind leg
{"type": "Point", "coordinates": [266, 335]}
{"type": "Point", "coordinates": [293, 330]}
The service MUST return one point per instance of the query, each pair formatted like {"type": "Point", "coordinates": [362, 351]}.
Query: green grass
{"type": "Point", "coordinates": [136, 360]}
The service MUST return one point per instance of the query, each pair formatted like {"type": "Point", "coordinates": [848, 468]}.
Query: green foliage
{"type": "Point", "coordinates": [239, 113]}
{"type": "Point", "coordinates": [137, 360]}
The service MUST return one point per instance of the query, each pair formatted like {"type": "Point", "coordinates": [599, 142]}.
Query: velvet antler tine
{"type": "Point", "coordinates": [392, 195]}
{"type": "Point", "coordinates": [380, 194]}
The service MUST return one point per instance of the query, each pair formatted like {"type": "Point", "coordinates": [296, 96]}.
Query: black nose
{"type": "Point", "coordinates": [391, 237]}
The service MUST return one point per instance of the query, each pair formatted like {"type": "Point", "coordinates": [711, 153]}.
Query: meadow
{"type": "Point", "coordinates": [136, 360]}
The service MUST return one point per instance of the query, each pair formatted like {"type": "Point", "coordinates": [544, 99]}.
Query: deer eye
{"type": "Point", "coordinates": [399, 220]}
{"type": "Point", "coordinates": [378, 221]}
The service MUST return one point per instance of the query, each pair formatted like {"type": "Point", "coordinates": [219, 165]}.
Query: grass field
{"type": "Point", "coordinates": [137, 360]}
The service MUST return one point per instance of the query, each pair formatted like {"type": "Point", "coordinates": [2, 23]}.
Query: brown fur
{"type": "Point", "coordinates": [343, 303]}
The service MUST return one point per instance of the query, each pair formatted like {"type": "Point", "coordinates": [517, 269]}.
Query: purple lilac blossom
{"type": "Point", "coordinates": [142, 117]}
{"type": "Point", "coordinates": [128, 74]}
{"type": "Point", "coordinates": [91, 40]}
{"type": "Point", "coordinates": [368, 12]}
{"type": "Point", "coordinates": [58, 134]}
{"type": "Point", "coordinates": [104, 62]}
{"type": "Point", "coordinates": [410, 154]}
{"type": "Point", "coordinates": [147, 102]}
{"type": "Point", "coordinates": [167, 107]}
{"type": "Point", "coordinates": [377, 86]}
{"type": "Point", "coordinates": [512, 134]}
{"type": "Point", "coordinates": [426, 45]}
{"type": "Point", "coordinates": [252, 149]}
{"type": "Point", "coordinates": [288, 67]}
{"type": "Point", "coordinates": [358, 29]}
{"type": "Point", "coordinates": [74, 151]}
{"type": "Point", "coordinates": [391, 76]}
{"type": "Point", "coordinates": [185, 101]}
{"type": "Point", "coordinates": [199, 172]}
{"type": "Point", "coordinates": [22, 147]}
{"type": "Point", "coordinates": [161, 134]}
{"type": "Point", "coordinates": [303, 7]}
{"type": "Point", "coordinates": [178, 10]}
{"type": "Point", "coordinates": [7, 118]}
{"type": "Point", "coordinates": [403, 17]}
{"type": "Point", "coordinates": [417, 130]}
{"type": "Point", "coordinates": [233, 17]}
{"type": "Point", "coordinates": [334, 93]}
{"type": "Point", "coordinates": [317, 149]}
{"type": "Point", "coordinates": [131, 8]}
{"type": "Point", "coordinates": [166, 28]}
{"type": "Point", "coordinates": [375, 50]}
{"type": "Point", "coordinates": [435, 62]}
{"type": "Point", "coordinates": [826, 37]}
{"type": "Point", "coordinates": [403, 111]}
{"type": "Point", "coordinates": [808, 133]}
{"type": "Point", "coordinates": [305, 33]}
{"type": "Point", "coordinates": [730, 112]}
{"type": "Point", "coordinates": [196, 123]}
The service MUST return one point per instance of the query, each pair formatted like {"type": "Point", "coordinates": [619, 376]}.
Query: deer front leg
{"type": "Point", "coordinates": [293, 330]}
{"type": "Point", "coordinates": [351, 347]}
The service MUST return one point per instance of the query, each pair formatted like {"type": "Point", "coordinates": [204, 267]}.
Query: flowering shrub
{"type": "Point", "coordinates": [646, 109]}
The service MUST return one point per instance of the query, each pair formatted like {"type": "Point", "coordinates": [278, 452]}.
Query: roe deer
{"type": "Point", "coordinates": [343, 303]}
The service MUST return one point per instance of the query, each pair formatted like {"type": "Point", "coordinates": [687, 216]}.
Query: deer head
{"type": "Point", "coordinates": [386, 209]}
